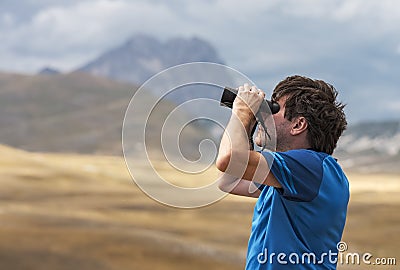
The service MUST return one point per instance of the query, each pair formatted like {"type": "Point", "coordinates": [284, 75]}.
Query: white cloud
{"type": "Point", "coordinates": [84, 29]}
{"type": "Point", "coordinates": [252, 34]}
{"type": "Point", "coordinates": [7, 20]}
{"type": "Point", "coordinates": [87, 24]}
{"type": "Point", "coordinates": [352, 43]}
{"type": "Point", "coordinates": [394, 105]}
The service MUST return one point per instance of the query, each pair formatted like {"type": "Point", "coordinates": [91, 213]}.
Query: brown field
{"type": "Point", "coordinates": [62, 211]}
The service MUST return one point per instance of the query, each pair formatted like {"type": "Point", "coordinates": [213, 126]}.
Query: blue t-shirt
{"type": "Point", "coordinates": [299, 225]}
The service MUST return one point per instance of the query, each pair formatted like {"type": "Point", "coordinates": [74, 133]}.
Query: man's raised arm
{"type": "Point", "coordinates": [235, 157]}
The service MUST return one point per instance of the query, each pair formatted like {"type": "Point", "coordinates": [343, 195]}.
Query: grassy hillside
{"type": "Point", "coordinates": [62, 211]}
{"type": "Point", "coordinates": [73, 112]}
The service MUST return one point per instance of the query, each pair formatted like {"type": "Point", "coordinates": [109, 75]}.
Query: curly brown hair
{"type": "Point", "coordinates": [315, 100]}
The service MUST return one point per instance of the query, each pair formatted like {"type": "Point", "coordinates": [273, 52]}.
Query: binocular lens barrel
{"type": "Point", "coordinates": [229, 95]}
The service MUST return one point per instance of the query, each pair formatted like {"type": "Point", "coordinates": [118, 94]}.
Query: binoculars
{"type": "Point", "coordinates": [229, 95]}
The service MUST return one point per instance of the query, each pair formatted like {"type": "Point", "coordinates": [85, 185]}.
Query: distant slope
{"type": "Point", "coordinates": [82, 113]}
{"type": "Point", "coordinates": [143, 56]}
{"type": "Point", "coordinates": [371, 147]}
{"type": "Point", "coordinates": [75, 112]}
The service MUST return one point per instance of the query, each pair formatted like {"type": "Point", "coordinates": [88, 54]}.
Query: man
{"type": "Point", "coordinates": [302, 191]}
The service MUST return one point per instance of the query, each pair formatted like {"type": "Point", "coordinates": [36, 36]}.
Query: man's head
{"type": "Point", "coordinates": [310, 116]}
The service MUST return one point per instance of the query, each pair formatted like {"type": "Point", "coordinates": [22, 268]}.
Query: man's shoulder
{"type": "Point", "coordinates": [305, 151]}
{"type": "Point", "coordinates": [297, 158]}
{"type": "Point", "coordinates": [304, 155]}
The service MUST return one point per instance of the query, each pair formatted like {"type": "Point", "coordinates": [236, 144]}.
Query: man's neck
{"type": "Point", "coordinates": [293, 147]}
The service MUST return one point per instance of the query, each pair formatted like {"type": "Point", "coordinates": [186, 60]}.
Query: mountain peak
{"type": "Point", "coordinates": [142, 56]}
{"type": "Point", "coordinates": [49, 71]}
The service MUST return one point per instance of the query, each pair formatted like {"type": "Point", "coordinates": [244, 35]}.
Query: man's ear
{"type": "Point", "coordinates": [299, 125]}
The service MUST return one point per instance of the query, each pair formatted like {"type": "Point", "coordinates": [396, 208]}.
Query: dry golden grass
{"type": "Point", "coordinates": [373, 217]}
{"type": "Point", "coordinates": [84, 212]}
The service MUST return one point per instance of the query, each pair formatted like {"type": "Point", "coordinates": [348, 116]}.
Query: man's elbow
{"type": "Point", "coordinates": [231, 162]}
{"type": "Point", "coordinates": [223, 187]}
{"type": "Point", "coordinates": [222, 162]}
{"type": "Point", "coordinates": [225, 182]}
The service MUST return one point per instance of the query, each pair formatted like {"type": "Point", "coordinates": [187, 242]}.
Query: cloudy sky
{"type": "Point", "coordinates": [354, 44]}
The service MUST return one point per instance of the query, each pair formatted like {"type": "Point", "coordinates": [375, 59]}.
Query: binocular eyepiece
{"type": "Point", "coordinates": [229, 95]}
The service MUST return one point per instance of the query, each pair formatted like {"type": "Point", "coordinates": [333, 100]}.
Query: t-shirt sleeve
{"type": "Point", "coordinates": [259, 186]}
{"type": "Point", "coordinates": [299, 172]}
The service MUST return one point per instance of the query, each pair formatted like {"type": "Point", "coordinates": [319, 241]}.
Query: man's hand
{"type": "Point", "coordinates": [247, 103]}
{"type": "Point", "coordinates": [260, 138]}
